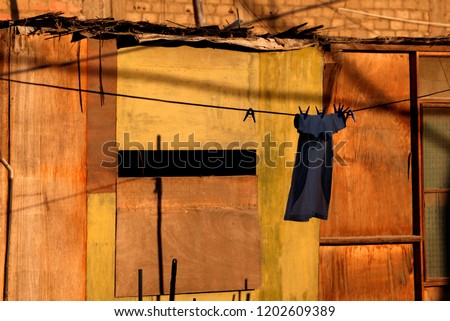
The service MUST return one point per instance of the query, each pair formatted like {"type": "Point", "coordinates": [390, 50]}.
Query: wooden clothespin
{"type": "Point", "coordinates": [250, 112]}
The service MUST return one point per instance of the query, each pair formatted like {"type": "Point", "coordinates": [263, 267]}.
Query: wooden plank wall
{"type": "Point", "coordinates": [371, 192]}
{"type": "Point", "coordinates": [48, 154]}
{"type": "Point", "coordinates": [367, 272]}
{"type": "Point", "coordinates": [371, 201]}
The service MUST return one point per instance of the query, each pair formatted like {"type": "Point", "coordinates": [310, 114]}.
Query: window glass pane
{"type": "Point", "coordinates": [434, 75]}
{"type": "Point", "coordinates": [436, 236]}
{"type": "Point", "coordinates": [436, 147]}
{"type": "Point", "coordinates": [436, 158]}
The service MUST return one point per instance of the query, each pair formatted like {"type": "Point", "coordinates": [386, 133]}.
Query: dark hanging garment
{"type": "Point", "coordinates": [310, 191]}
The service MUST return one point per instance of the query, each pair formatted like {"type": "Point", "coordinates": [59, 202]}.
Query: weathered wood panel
{"type": "Point", "coordinates": [101, 122]}
{"type": "Point", "coordinates": [370, 272]}
{"type": "Point", "coordinates": [48, 154]}
{"type": "Point", "coordinates": [210, 225]}
{"type": "Point", "coordinates": [371, 193]}
{"type": "Point", "coordinates": [4, 143]}
{"type": "Point", "coordinates": [437, 293]}
{"type": "Point", "coordinates": [101, 244]}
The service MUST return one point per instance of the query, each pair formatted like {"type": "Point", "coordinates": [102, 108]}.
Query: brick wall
{"type": "Point", "coordinates": [265, 15]}
{"type": "Point", "coordinates": [27, 8]}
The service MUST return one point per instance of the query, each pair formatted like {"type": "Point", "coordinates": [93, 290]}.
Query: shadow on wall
{"type": "Point", "coordinates": [14, 10]}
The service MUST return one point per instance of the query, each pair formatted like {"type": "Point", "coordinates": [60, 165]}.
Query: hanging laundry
{"type": "Point", "coordinates": [310, 191]}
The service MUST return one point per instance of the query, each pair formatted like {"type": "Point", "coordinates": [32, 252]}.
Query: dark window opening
{"type": "Point", "coordinates": [159, 163]}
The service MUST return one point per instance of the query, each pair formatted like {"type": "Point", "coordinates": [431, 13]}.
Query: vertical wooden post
{"type": "Point", "coordinates": [198, 13]}
{"type": "Point", "coordinates": [415, 165]}
{"type": "Point", "coordinates": [14, 10]}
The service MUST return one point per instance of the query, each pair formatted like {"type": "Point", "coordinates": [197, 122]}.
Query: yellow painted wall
{"type": "Point", "coordinates": [101, 238]}
{"type": "Point", "coordinates": [278, 81]}
{"type": "Point", "coordinates": [289, 249]}
{"type": "Point", "coordinates": [202, 76]}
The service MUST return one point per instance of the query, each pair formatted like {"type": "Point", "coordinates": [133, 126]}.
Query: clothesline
{"type": "Point", "coordinates": [80, 90]}
{"type": "Point", "coordinates": [402, 100]}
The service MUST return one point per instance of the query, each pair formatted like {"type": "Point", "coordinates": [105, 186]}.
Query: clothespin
{"type": "Point", "coordinates": [334, 107]}
{"type": "Point", "coordinates": [305, 114]}
{"type": "Point", "coordinates": [250, 112]}
{"type": "Point", "coordinates": [350, 113]}
{"type": "Point", "coordinates": [320, 113]}
{"type": "Point", "coordinates": [340, 111]}
{"type": "Point", "coordinates": [345, 113]}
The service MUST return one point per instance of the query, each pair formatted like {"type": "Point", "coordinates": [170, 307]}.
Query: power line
{"type": "Point", "coordinates": [184, 103]}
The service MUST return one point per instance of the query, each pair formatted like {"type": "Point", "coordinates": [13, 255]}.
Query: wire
{"type": "Point", "coordinates": [353, 21]}
{"type": "Point", "coordinates": [184, 103]}
{"type": "Point", "coordinates": [401, 100]}
{"type": "Point", "coordinates": [420, 22]}
{"type": "Point", "coordinates": [257, 19]}
{"type": "Point", "coordinates": [146, 98]}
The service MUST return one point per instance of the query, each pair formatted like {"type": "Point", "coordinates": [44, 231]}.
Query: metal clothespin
{"type": "Point", "coordinates": [250, 112]}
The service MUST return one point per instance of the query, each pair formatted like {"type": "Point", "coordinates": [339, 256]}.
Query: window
{"type": "Point", "coordinates": [436, 182]}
